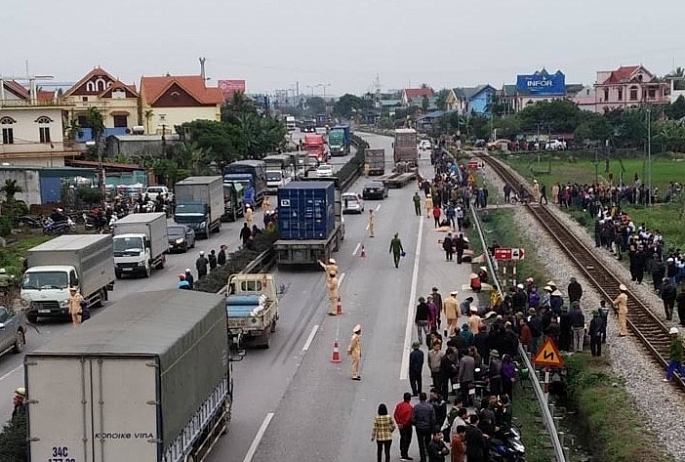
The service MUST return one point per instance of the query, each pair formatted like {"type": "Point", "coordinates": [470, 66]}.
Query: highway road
{"type": "Point", "coordinates": [11, 369]}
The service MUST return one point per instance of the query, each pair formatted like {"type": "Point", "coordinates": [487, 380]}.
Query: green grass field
{"type": "Point", "coordinates": [563, 169]}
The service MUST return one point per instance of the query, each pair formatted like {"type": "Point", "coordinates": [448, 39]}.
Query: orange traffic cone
{"type": "Point", "coordinates": [339, 307]}
{"type": "Point", "coordinates": [336, 353]}
{"type": "Point", "coordinates": [363, 252]}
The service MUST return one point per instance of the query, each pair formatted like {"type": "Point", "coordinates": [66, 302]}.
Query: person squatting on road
{"type": "Point", "coordinates": [355, 351]}
{"type": "Point", "coordinates": [383, 428]}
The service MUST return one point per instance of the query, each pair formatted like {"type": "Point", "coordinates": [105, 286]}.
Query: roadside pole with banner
{"type": "Point", "coordinates": [509, 257]}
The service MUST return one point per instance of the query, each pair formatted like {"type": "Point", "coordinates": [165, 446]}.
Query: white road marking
{"type": "Point", "coordinates": [404, 371]}
{"type": "Point", "coordinates": [308, 343]}
{"type": "Point", "coordinates": [378, 207]}
{"type": "Point", "coordinates": [342, 276]}
{"type": "Point", "coordinates": [354, 252]}
{"type": "Point", "coordinates": [258, 438]}
{"type": "Point", "coordinates": [16, 369]}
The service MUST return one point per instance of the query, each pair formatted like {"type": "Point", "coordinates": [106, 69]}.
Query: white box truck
{"type": "Point", "coordinates": [141, 243]}
{"type": "Point", "coordinates": [200, 203]}
{"type": "Point", "coordinates": [85, 261]}
{"type": "Point", "coordinates": [148, 380]}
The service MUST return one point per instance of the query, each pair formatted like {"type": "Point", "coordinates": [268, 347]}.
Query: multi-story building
{"type": "Point", "coordinates": [467, 100]}
{"type": "Point", "coordinates": [171, 100]}
{"type": "Point", "coordinates": [629, 86]}
{"type": "Point", "coordinates": [415, 96]}
{"type": "Point", "coordinates": [31, 125]}
{"type": "Point", "coordinates": [116, 101]}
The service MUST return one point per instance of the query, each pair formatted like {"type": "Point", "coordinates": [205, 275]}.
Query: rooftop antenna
{"type": "Point", "coordinates": [202, 68]}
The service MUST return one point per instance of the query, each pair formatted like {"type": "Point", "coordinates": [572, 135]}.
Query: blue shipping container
{"type": "Point", "coordinates": [306, 210]}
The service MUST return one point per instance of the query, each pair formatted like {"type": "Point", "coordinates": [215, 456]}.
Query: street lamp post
{"type": "Point", "coordinates": [324, 86]}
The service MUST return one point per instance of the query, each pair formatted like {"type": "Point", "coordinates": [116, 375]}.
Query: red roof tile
{"type": "Point", "coordinates": [153, 88]}
{"type": "Point", "coordinates": [16, 88]}
{"type": "Point", "coordinates": [621, 74]}
{"type": "Point", "coordinates": [44, 95]}
{"type": "Point", "coordinates": [418, 92]}
{"type": "Point", "coordinates": [118, 84]}
{"type": "Point", "coordinates": [96, 71]}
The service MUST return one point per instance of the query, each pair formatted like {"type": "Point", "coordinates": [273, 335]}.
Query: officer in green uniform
{"type": "Point", "coordinates": [396, 249]}
{"type": "Point", "coordinates": [417, 204]}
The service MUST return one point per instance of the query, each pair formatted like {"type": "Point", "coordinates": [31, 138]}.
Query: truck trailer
{"type": "Point", "coordinates": [339, 140]}
{"type": "Point", "coordinates": [200, 203]}
{"type": "Point", "coordinates": [85, 261]}
{"type": "Point", "coordinates": [375, 159]}
{"type": "Point", "coordinates": [148, 380]}
{"type": "Point", "coordinates": [310, 222]}
{"type": "Point", "coordinates": [405, 148]}
{"type": "Point", "coordinates": [141, 243]}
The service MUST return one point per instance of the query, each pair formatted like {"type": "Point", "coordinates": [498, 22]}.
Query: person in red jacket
{"type": "Point", "coordinates": [403, 413]}
{"type": "Point", "coordinates": [436, 215]}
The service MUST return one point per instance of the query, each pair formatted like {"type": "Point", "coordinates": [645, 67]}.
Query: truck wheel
{"type": "Point", "coordinates": [19, 342]}
{"type": "Point", "coordinates": [267, 339]}
{"type": "Point", "coordinates": [162, 262]}
{"type": "Point", "coordinates": [117, 274]}
{"type": "Point", "coordinates": [32, 317]}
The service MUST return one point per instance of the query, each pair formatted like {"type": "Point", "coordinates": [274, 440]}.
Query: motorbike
{"type": "Point", "coordinates": [506, 445]}
{"type": "Point", "coordinates": [58, 227]}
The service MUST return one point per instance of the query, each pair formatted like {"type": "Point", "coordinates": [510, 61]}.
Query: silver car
{"type": "Point", "coordinates": [352, 203]}
{"type": "Point", "coordinates": [12, 330]}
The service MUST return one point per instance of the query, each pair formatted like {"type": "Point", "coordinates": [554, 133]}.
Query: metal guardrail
{"type": "Point", "coordinates": [547, 417]}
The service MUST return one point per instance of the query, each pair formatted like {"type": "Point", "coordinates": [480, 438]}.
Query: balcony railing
{"type": "Point", "coordinates": [21, 103]}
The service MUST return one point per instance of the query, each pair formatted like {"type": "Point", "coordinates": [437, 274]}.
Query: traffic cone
{"type": "Point", "coordinates": [363, 252]}
{"type": "Point", "coordinates": [339, 307]}
{"type": "Point", "coordinates": [336, 352]}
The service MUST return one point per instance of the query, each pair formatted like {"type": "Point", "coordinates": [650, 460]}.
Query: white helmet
{"type": "Point", "coordinates": [2, 271]}
{"type": "Point", "coordinates": [674, 330]}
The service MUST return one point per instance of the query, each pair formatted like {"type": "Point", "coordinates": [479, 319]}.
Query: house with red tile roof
{"type": "Point", "coordinates": [629, 86]}
{"type": "Point", "coordinates": [116, 101]}
{"type": "Point", "coordinates": [166, 101]}
{"type": "Point", "coordinates": [415, 96]}
{"type": "Point", "coordinates": [31, 127]}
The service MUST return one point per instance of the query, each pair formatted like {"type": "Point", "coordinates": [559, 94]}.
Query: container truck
{"type": "Point", "coordinates": [375, 159]}
{"type": "Point", "coordinates": [85, 261]}
{"type": "Point", "coordinates": [148, 380]}
{"type": "Point", "coordinates": [200, 203]}
{"type": "Point", "coordinates": [252, 174]}
{"type": "Point", "coordinates": [405, 148]}
{"type": "Point", "coordinates": [140, 244]}
{"type": "Point", "coordinates": [339, 139]}
{"type": "Point", "coordinates": [310, 222]}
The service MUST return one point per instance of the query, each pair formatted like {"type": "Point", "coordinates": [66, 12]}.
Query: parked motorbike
{"type": "Point", "coordinates": [59, 227]}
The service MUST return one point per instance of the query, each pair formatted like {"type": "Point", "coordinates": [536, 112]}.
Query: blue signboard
{"type": "Point", "coordinates": [542, 84]}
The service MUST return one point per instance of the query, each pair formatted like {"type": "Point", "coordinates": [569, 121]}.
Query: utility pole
{"type": "Point", "coordinates": [649, 154]}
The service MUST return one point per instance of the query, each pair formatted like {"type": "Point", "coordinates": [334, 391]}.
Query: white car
{"type": "Point", "coordinates": [352, 203]}
{"type": "Point", "coordinates": [425, 144]}
{"type": "Point", "coordinates": [154, 191]}
{"type": "Point", "coordinates": [555, 145]}
{"type": "Point", "coordinates": [324, 171]}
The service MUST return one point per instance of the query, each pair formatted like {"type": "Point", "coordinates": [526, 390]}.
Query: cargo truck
{"type": "Point", "coordinates": [148, 380]}
{"type": "Point", "coordinates": [316, 145]}
{"type": "Point", "coordinates": [252, 308]}
{"type": "Point", "coordinates": [405, 148]}
{"type": "Point", "coordinates": [200, 204]}
{"type": "Point", "coordinates": [140, 244]}
{"type": "Point", "coordinates": [375, 159]}
{"type": "Point", "coordinates": [339, 140]}
{"type": "Point", "coordinates": [252, 175]}
{"type": "Point", "coordinates": [310, 222]}
{"type": "Point", "coordinates": [85, 261]}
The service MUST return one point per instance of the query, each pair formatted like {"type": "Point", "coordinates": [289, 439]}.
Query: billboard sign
{"type": "Point", "coordinates": [228, 87]}
{"type": "Point", "coordinates": [542, 84]}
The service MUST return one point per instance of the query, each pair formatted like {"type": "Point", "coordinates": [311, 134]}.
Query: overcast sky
{"type": "Point", "coordinates": [275, 43]}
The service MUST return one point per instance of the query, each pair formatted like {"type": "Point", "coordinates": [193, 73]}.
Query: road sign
{"type": "Point", "coordinates": [503, 253]}
{"type": "Point", "coordinates": [475, 165]}
{"type": "Point", "coordinates": [548, 355]}
{"type": "Point", "coordinates": [517, 254]}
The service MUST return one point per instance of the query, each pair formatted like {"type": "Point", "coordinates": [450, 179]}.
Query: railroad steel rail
{"type": "Point", "coordinates": [646, 326]}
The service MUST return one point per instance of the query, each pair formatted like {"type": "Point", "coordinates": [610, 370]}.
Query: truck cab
{"type": "Point", "coordinates": [251, 308]}
{"type": "Point", "coordinates": [195, 215]}
{"type": "Point", "coordinates": [47, 287]}
{"type": "Point", "coordinates": [132, 255]}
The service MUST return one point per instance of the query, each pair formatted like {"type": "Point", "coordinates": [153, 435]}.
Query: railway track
{"type": "Point", "coordinates": [645, 326]}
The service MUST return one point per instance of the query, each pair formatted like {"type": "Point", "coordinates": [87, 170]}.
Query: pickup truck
{"type": "Point", "coordinates": [251, 308]}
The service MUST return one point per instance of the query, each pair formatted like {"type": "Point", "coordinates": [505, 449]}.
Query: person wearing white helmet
{"type": "Point", "coordinates": [621, 303]}
{"type": "Point", "coordinates": [201, 265]}
{"type": "Point", "coordinates": [330, 268]}
{"type": "Point", "coordinates": [249, 216]}
{"type": "Point", "coordinates": [189, 278]}
{"type": "Point", "coordinates": [675, 357]}
{"type": "Point", "coordinates": [18, 401]}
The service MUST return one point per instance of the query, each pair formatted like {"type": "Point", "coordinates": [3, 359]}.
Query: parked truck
{"type": "Point", "coordinates": [310, 222]}
{"type": "Point", "coordinates": [405, 148]}
{"type": "Point", "coordinates": [200, 203]}
{"type": "Point", "coordinates": [375, 159]}
{"type": "Point", "coordinates": [140, 244]}
{"type": "Point", "coordinates": [85, 261]}
{"type": "Point", "coordinates": [148, 380]}
{"type": "Point", "coordinates": [339, 140]}
{"type": "Point", "coordinates": [252, 308]}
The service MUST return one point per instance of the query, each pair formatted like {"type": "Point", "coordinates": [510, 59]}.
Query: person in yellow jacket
{"type": "Point", "coordinates": [249, 218]}
{"type": "Point", "coordinates": [428, 205]}
{"type": "Point", "coordinates": [372, 223]}
{"type": "Point", "coordinates": [495, 298]}
{"type": "Point", "coordinates": [621, 304]}
{"type": "Point", "coordinates": [74, 303]}
{"type": "Point", "coordinates": [266, 204]}
{"type": "Point", "coordinates": [474, 320]}
{"type": "Point", "coordinates": [367, 168]}
{"type": "Point", "coordinates": [355, 350]}
{"type": "Point", "coordinates": [451, 309]}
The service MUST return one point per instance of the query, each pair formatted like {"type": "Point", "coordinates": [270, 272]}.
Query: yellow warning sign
{"type": "Point", "coordinates": [548, 355]}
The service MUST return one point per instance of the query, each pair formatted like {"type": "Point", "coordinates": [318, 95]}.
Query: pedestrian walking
{"type": "Point", "coordinates": [416, 369]}
{"type": "Point", "coordinates": [675, 357]}
{"type": "Point", "coordinates": [212, 260]}
{"type": "Point", "coordinates": [221, 257]}
{"type": "Point", "coordinates": [543, 193]}
{"type": "Point", "coordinates": [245, 234]}
{"type": "Point", "coordinates": [417, 204]}
{"type": "Point", "coordinates": [383, 428]}
{"type": "Point", "coordinates": [668, 295]}
{"type": "Point", "coordinates": [437, 449]}
{"type": "Point", "coordinates": [422, 319]}
{"type": "Point", "coordinates": [201, 265]}
{"type": "Point", "coordinates": [448, 247]}
{"type": "Point", "coordinates": [437, 213]}
{"type": "Point", "coordinates": [428, 205]}
{"type": "Point", "coordinates": [621, 303]}
{"type": "Point", "coordinates": [595, 333]}
{"type": "Point", "coordinates": [434, 362]}
{"type": "Point", "coordinates": [578, 327]}
{"type": "Point", "coordinates": [403, 414]}
{"type": "Point", "coordinates": [396, 249]}
{"type": "Point", "coordinates": [355, 350]}
{"type": "Point", "coordinates": [423, 419]}
{"type": "Point", "coordinates": [74, 304]}
{"type": "Point", "coordinates": [372, 223]}
{"type": "Point", "coordinates": [451, 310]}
